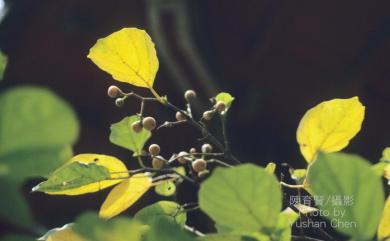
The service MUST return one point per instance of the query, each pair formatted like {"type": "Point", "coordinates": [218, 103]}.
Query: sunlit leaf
{"type": "Point", "coordinates": [91, 228]}
{"type": "Point", "coordinates": [128, 55]}
{"type": "Point", "coordinates": [125, 195]}
{"type": "Point", "coordinates": [170, 210]}
{"type": "Point", "coordinates": [353, 190]}
{"type": "Point", "coordinates": [123, 135]}
{"type": "Point", "coordinates": [166, 188]}
{"type": "Point", "coordinates": [3, 64]}
{"type": "Point", "coordinates": [384, 225]}
{"type": "Point", "coordinates": [224, 197]}
{"type": "Point", "coordinates": [65, 233]}
{"type": "Point", "coordinates": [329, 126]}
{"type": "Point", "coordinates": [85, 173]}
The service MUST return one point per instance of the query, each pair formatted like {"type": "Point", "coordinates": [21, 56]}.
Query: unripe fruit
{"type": "Point", "coordinates": [181, 157]}
{"type": "Point", "coordinates": [190, 95]}
{"type": "Point", "coordinates": [158, 162]}
{"type": "Point", "coordinates": [180, 116]}
{"type": "Point", "coordinates": [220, 106]}
{"type": "Point", "coordinates": [208, 115]}
{"type": "Point", "coordinates": [149, 123]}
{"type": "Point", "coordinates": [199, 165]}
{"type": "Point", "coordinates": [119, 102]}
{"type": "Point", "coordinates": [114, 92]}
{"type": "Point", "coordinates": [193, 150]}
{"type": "Point", "coordinates": [154, 149]}
{"type": "Point", "coordinates": [136, 126]}
{"type": "Point", "coordinates": [207, 148]}
{"type": "Point", "coordinates": [203, 173]}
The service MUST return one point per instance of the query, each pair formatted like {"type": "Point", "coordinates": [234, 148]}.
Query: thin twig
{"type": "Point", "coordinates": [194, 231]}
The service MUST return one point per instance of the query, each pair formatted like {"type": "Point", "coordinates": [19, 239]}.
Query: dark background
{"type": "Point", "coordinates": [277, 57]}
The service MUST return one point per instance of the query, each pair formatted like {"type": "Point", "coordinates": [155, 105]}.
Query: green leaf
{"type": "Point", "coordinates": [167, 188]}
{"type": "Point", "coordinates": [92, 228]}
{"type": "Point", "coordinates": [73, 175]}
{"type": "Point", "coordinates": [170, 210]}
{"type": "Point", "coordinates": [16, 237]}
{"type": "Point", "coordinates": [244, 197]}
{"type": "Point", "coordinates": [35, 162]}
{"type": "Point", "coordinates": [123, 135]}
{"type": "Point", "coordinates": [386, 155]}
{"type": "Point", "coordinates": [299, 175]}
{"type": "Point", "coordinates": [32, 117]}
{"type": "Point", "coordinates": [282, 231]}
{"type": "Point", "coordinates": [229, 237]}
{"type": "Point", "coordinates": [3, 64]}
{"type": "Point", "coordinates": [348, 176]}
{"type": "Point", "coordinates": [14, 208]}
{"type": "Point", "coordinates": [162, 229]}
{"type": "Point", "coordinates": [225, 98]}
{"type": "Point", "coordinates": [270, 168]}
{"type": "Point", "coordinates": [37, 129]}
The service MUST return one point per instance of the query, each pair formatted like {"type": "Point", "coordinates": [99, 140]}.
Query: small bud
{"type": "Point", "coordinates": [158, 162]}
{"type": "Point", "coordinates": [114, 92]}
{"type": "Point", "coordinates": [119, 102]}
{"type": "Point", "coordinates": [207, 148]}
{"type": "Point", "coordinates": [199, 165]}
{"type": "Point", "coordinates": [154, 149]}
{"type": "Point", "coordinates": [193, 150]}
{"type": "Point", "coordinates": [190, 95]}
{"type": "Point", "coordinates": [208, 115]}
{"type": "Point", "coordinates": [149, 123]}
{"type": "Point", "coordinates": [220, 106]}
{"type": "Point", "coordinates": [203, 173]}
{"type": "Point", "coordinates": [182, 157]}
{"type": "Point", "coordinates": [136, 126]}
{"type": "Point", "coordinates": [180, 116]}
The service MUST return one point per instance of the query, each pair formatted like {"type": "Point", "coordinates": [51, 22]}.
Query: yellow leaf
{"type": "Point", "coordinates": [384, 225]}
{"type": "Point", "coordinates": [116, 167]}
{"type": "Point", "coordinates": [329, 126]}
{"type": "Point", "coordinates": [128, 55]}
{"type": "Point", "coordinates": [124, 195]}
{"type": "Point", "coordinates": [62, 234]}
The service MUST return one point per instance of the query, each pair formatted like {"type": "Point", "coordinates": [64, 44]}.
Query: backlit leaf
{"type": "Point", "coordinates": [125, 195]}
{"type": "Point", "coordinates": [350, 177]}
{"type": "Point", "coordinates": [128, 55]}
{"type": "Point", "coordinates": [224, 197]}
{"type": "Point", "coordinates": [329, 126]}
{"type": "Point", "coordinates": [85, 173]}
{"type": "Point", "coordinates": [170, 210]}
{"type": "Point", "coordinates": [123, 135]}
{"type": "Point", "coordinates": [384, 225]}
